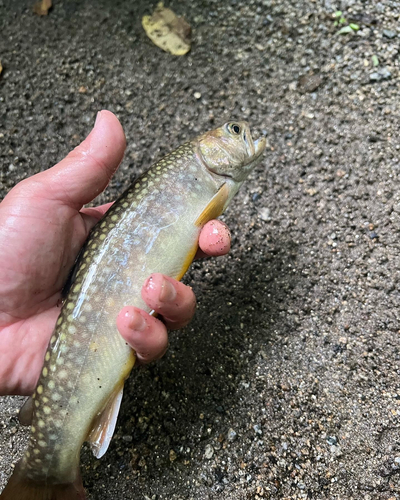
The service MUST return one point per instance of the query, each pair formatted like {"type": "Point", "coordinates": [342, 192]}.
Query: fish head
{"type": "Point", "coordinates": [230, 150]}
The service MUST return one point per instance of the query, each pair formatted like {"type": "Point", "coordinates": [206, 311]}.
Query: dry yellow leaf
{"type": "Point", "coordinates": [1, 68]}
{"type": "Point", "coordinates": [168, 31]}
{"type": "Point", "coordinates": [42, 8]}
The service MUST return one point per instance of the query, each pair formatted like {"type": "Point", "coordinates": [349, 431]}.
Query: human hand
{"type": "Point", "coordinates": [43, 225]}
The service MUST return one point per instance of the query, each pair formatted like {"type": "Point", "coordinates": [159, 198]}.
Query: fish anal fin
{"type": "Point", "coordinates": [215, 207]}
{"type": "Point", "coordinates": [104, 425]}
{"type": "Point", "coordinates": [26, 412]}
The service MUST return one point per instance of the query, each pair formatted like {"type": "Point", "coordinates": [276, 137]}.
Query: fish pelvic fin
{"type": "Point", "coordinates": [26, 412]}
{"type": "Point", "coordinates": [19, 487]}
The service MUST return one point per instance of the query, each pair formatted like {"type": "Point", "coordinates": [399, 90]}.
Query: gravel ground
{"type": "Point", "coordinates": [286, 384]}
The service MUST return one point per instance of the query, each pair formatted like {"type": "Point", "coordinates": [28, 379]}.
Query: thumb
{"type": "Point", "coordinates": [87, 170]}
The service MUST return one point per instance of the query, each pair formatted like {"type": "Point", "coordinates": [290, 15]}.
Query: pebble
{"type": "Point", "coordinates": [309, 83]}
{"type": "Point", "coordinates": [209, 452]}
{"type": "Point", "coordinates": [197, 95]}
{"type": "Point", "coordinates": [257, 428]}
{"type": "Point", "coordinates": [264, 214]}
{"type": "Point", "coordinates": [232, 435]}
{"type": "Point", "coordinates": [389, 33]}
{"type": "Point", "coordinates": [127, 439]}
{"type": "Point", "coordinates": [332, 440]}
{"type": "Point", "coordinates": [381, 74]}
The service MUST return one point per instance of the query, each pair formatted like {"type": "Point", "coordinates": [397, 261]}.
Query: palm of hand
{"type": "Point", "coordinates": [40, 238]}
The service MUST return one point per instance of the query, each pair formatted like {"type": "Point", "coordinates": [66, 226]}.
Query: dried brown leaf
{"type": "Point", "coordinates": [42, 8]}
{"type": "Point", "coordinates": [168, 31]}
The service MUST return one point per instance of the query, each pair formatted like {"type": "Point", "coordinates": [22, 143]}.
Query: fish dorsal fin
{"type": "Point", "coordinates": [26, 412]}
{"type": "Point", "coordinates": [215, 207]}
{"type": "Point", "coordinates": [104, 425]}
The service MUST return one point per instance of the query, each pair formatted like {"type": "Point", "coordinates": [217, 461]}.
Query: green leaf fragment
{"type": "Point", "coordinates": [345, 30]}
{"type": "Point", "coordinates": [375, 61]}
{"type": "Point", "coordinates": [354, 27]}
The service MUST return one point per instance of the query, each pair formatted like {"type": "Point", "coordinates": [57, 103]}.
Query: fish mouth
{"type": "Point", "coordinates": [259, 146]}
{"type": "Point", "coordinates": [254, 148]}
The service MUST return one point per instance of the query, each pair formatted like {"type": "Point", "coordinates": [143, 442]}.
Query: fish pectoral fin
{"type": "Point", "coordinates": [26, 412]}
{"type": "Point", "coordinates": [215, 207]}
{"type": "Point", "coordinates": [104, 425]}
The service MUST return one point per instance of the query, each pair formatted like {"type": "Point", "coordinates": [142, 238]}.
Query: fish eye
{"type": "Point", "coordinates": [234, 128]}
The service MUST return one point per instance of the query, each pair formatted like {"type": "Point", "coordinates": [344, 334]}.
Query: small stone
{"type": "Point", "coordinates": [381, 74]}
{"type": "Point", "coordinates": [209, 452]}
{"type": "Point", "coordinates": [336, 450]}
{"type": "Point", "coordinates": [332, 440]}
{"type": "Point", "coordinates": [172, 456]}
{"type": "Point", "coordinates": [397, 460]}
{"type": "Point", "coordinates": [257, 429]}
{"type": "Point", "coordinates": [197, 95]}
{"type": "Point", "coordinates": [389, 33]}
{"type": "Point", "coordinates": [264, 214]}
{"type": "Point", "coordinates": [340, 173]}
{"type": "Point", "coordinates": [232, 435]}
{"type": "Point", "coordinates": [375, 76]}
{"type": "Point", "coordinates": [309, 83]}
{"type": "Point", "coordinates": [385, 73]}
{"type": "Point", "coordinates": [127, 439]}
{"type": "Point", "coordinates": [373, 235]}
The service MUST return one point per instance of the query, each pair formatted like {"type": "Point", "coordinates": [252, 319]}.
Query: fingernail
{"type": "Point", "coordinates": [168, 292]}
{"type": "Point", "coordinates": [97, 118]}
{"type": "Point", "coordinates": [136, 321]}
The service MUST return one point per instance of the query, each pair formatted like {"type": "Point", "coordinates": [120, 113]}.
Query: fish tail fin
{"type": "Point", "coordinates": [19, 487]}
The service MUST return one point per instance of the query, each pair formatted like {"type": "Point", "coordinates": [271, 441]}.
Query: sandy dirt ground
{"type": "Point", "coordinates": [286, 384]}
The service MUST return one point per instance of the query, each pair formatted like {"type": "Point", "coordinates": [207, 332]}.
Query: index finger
{"type": "Point", "coordinates": [214, 240]}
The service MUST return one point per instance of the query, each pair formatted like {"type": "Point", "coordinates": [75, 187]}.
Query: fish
{"type": "Point", "coordinates": [154, 226]}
